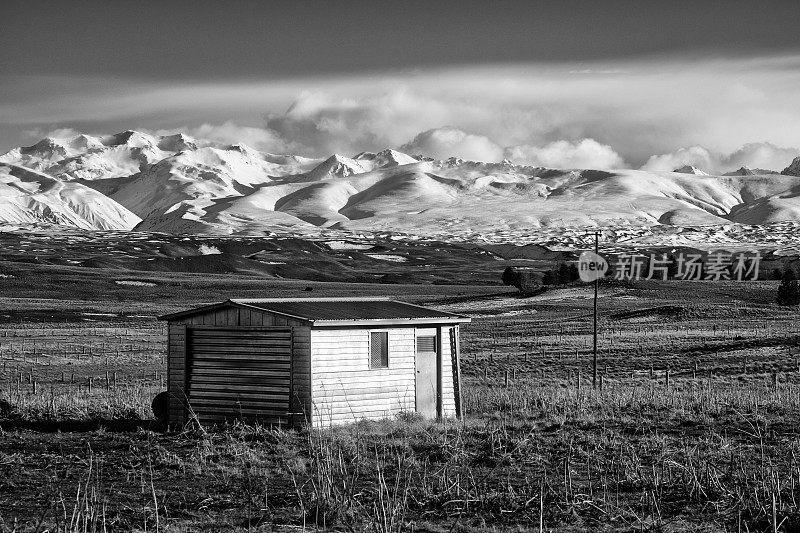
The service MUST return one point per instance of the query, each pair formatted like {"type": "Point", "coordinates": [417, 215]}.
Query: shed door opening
{"type": "Point", "coordinates": [426, 375]}
{"type": "Point", "coordinates": [240, 374]}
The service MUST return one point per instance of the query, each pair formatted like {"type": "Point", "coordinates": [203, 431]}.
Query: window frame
{"type": "Point", "coordinates": [369, 351]}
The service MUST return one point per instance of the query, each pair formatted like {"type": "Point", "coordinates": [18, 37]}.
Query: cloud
{"type": "Point", "coordinates": [325, 122]}
{"type": "Point", "coordinates": [57, 133]}
{"type": "Point", "coordinates": [230, 132]}
{"type": "Point", "coordinates": [442, 143]}
{"type": "Point", "coordinates": [640, 107]}
{"type": "Point", "coordinates": [586, 153]}
{"type": "Point", "coordinates": [752, 155]}
{"type": "Point", "coordinates": [697, 156]}
{"type": "Point", "coordinates": [760, 155]}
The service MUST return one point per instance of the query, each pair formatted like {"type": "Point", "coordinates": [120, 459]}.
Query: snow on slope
{"type": "Point", "coordinates": [85, 157]}
{"type": "Point", "coordinates": [793, 169]}
{"type": "Point", "coordinates": [383, 159]}
{"type": "Point", "coordinates": [689, 169]}
{"type": "Point", "coordinates": [185, 184]}
{"type": "Point", "coordinates": [178, 184]}
{"type": "Point", "coordinates": [745, 171]}
{"type": "Point", "coordinates": [27, 196]}
{"type": "Point", "coordinates": [336, 166]}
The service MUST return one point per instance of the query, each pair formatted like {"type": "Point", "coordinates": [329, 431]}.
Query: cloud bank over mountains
{"type": "Point", "coordinates": [751, 155]}
{"type": "Point", "coordinates": [656, 113]}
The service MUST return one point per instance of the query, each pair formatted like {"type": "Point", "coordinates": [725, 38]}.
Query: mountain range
{"type": "Point", "coordinates": [177, 184]}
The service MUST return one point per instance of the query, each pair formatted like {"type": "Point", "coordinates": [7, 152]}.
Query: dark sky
{"type": "Point", "coordinates": [717, 82]}
{"type": "Point", "coordinates": [204, 39]}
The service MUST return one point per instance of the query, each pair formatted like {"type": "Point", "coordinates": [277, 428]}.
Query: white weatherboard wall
{"type": "Point", "coordinates": [344, 387]}
{"type": "Point", "coordinates": [448, 391]}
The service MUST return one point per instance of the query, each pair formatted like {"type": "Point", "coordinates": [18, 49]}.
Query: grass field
{"type": "Point", "coordinates": [693, 428]}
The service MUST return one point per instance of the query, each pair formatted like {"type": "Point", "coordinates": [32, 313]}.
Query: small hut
{"type": "Point", "coordinates": [320, 361]}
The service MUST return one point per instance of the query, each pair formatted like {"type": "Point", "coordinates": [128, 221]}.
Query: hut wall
{"type": "Point", "coordinates": [448, 390]}
{"type": "Point", "coordinates": [345, 388]}
{"type": "Point", "coordinates": [300, 400]}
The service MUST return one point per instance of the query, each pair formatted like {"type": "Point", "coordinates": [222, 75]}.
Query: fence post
{"type": "Point", "coordinates": [666, 381]}
{"type": "Point", "coordinates": [505, 379]}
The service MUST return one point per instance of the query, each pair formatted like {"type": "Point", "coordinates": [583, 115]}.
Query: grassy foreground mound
{"type": "Point", "coordinates": [701, 454]}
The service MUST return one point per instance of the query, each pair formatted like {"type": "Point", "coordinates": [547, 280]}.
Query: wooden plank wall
{"type": "Point", "coordinates": [301, 373]}
{"type": "Point", "coordinates": [345, 389]}
{"type": "Point", "coordinates": [176, 372]}
{"type": "Point", "coordinates": [234, 316]}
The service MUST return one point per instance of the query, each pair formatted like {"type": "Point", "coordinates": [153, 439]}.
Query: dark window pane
{"type": "Point", "coordinates": [379, 349]}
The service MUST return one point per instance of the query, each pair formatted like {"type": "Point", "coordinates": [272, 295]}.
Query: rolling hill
{"type": "Point", "coordinates": [177, 184]}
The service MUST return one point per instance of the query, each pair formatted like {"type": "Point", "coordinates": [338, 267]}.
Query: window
{"type": "Point", "coordinates": [426, 343]}
{"type": "Point", "coordinates": [379, 349]}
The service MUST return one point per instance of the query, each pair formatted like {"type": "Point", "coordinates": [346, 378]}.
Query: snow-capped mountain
{"type": "Point", "coordinates": [383, 159]}
{"type": "Point", "coordinates": [745, 171]}
{"type": "Point", "coordinates": [689, 169]}
{"type": "Point", "coordinates": [175, 183]}
{"type": "Point", "coordinates": [336, 166]}
{"type": "Point", "coordinates": [31, 197]}
{"type": "Point", "coordinates": [793, 169]}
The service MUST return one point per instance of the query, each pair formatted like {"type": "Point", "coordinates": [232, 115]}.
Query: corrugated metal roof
{"type": "Point", "coordinates": [348, 309]}
{"type": "Point", "coordinates": [334, 312]}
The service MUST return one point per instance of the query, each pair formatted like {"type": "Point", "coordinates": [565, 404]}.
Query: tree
{"type": "Point", "coordinates": [574, 273]}
{"type": "Point", "coordinates": [563, 273]}
{"type": "Point", "coordinates": [789, 289]}
{"type": "Point", "coordinates": [523, 279]}
{"type": "Point", "coordinates": [510, 276]}
{"type": "Point", "coordinates": [549, 278]}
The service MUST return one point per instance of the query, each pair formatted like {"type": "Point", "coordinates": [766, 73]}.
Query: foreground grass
{"type": "Point", "coordinates": [701, 455]}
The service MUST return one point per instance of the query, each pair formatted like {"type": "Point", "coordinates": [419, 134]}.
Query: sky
{"type": "Point", "coordinates": [639, 84]}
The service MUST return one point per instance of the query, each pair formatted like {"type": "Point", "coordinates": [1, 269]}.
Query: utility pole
{"type": "Point", "coordinates": [594, 344]}
{"type": "Point", "coordinates": [592, 267]}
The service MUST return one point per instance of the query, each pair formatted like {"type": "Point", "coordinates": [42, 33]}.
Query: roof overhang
{"type": "Point", "coordinates": [223, 305]}
{"type": "Point", "coordinates": [390, 322]}
{"type": "Point", "coordinates": [252, 305]}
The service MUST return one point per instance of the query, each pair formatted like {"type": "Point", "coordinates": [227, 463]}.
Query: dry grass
{"type": "Point", "coordinates": [637, 456]}
{"type": "Point", "coordinates": [714, 450]}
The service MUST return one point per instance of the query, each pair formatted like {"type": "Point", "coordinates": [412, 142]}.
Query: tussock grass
{"type": "Point", "coordinates": [700, 454]}
{"type": "Point", "coordinates": [63, 404]}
